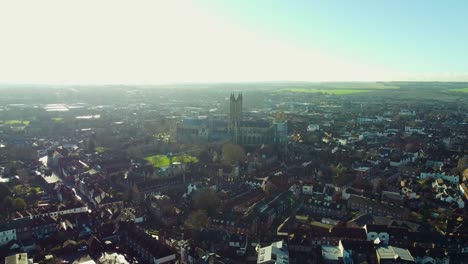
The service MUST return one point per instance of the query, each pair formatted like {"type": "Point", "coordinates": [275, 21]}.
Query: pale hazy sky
{"type": "Point", "coordinates": [133, 41]}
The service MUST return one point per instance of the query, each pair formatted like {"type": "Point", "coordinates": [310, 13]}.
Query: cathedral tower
{"type": "Point", "coordinates": [235, 116]}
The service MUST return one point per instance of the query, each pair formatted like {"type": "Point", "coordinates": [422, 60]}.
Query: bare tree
{"type": "Point", "coordinates": [232, 154]}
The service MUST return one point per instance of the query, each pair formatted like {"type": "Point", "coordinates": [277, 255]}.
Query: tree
{"type": "Point", "coordinates": [6, 206]}
{"type": "Point", "coordinates": [462, 164]}
{"type": "Point", "coordinates": [207, 200]}
{"type": "Point", "coordinates": [19, 204]}
{"type": "Point", "coordinates": [340, 177]}
{"type": "Point", "coordinates": [270, 188]}
{"type": "Point", "coordinates": [205, 157]}
{"type": "Point", "coordinates": [135, 151]}
{"type": "Point", "coordinates": [339, 170]}
{"type": "Point", "coordinates": [60, 237]}
{"type": "Point", "coordinates": [7, 203]}
{"type": "Point", "coordinates": [33, 194]}
{"type": "Point", "coordinates": [311, 138]}
{"type": "Point", "coordinates": [4, 191]}
{"type": "Point", "coordinates": [197, 220]}
{"type": "Point", "coordinates": [379, 185]}
{"type": "Point", "coordinates": [411, 147]}
{"type": "Point", "coordinates": [232, 153]}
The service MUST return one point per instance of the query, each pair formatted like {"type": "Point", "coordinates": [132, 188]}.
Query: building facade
{"type": "Point", "coordinates": [238, 128]}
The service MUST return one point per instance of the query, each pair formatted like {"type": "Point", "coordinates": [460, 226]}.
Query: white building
{"type": "Point", "coordinates": [276, 253]}
{"type": "Point", "coordinates": [20, 258]}
{"type": "Point", "coordinates": [414, 130]}
{"type": "Point", "coordinates": [312, 128]}
{"type": "Point", "coordinates": [394, 254]}
{"type": "Point", "coordinates": [332, 253]}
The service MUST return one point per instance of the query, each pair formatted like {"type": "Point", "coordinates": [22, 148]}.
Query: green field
{"type": "Point", "coordinates": [161, 161]}
{"type": "Point", "coordinates": [327, 91]}
{"type": "Point", "coordinates": [460, 90]}
{"type": "Point", "coordinates": [17, 122]}
{"type": "Point", "coordinates": [358, 86]}
{"type": "Point", "coordinates": [340, 88]}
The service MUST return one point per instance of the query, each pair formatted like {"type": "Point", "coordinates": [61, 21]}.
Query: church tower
{"type": "Point", "coordinates": [235, 116]}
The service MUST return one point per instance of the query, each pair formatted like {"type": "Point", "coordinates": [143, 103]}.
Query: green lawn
{"type": "Point", "coordinates": [161, 161]}
{"type": "Point", "coordinates": [460, 90]}
{"type": "Point", "coordinates": [185, 159]}
{"type": "Point", "coordinates": [57, 119]}
{"type": "Point", "coordinates": [100, 149]}
{"type": "Point", "coordinates": [17, 122]}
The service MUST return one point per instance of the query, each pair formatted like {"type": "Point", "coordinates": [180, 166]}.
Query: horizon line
{"type": "Point", "coordinates": [215, 82]}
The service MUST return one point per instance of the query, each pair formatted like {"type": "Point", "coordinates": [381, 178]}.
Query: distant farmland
{"type": "Point", "coordinates": [340, 88]}
{"type": "Point", "coordinates": [326, 91]}
{"type": "Point", "coordinates": [460, 90]}
{"type": "Point", "coordinates": [16, 122]}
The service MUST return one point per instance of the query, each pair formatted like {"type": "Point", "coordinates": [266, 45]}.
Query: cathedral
{"type": "Point", "coordinates": [237, 128]}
